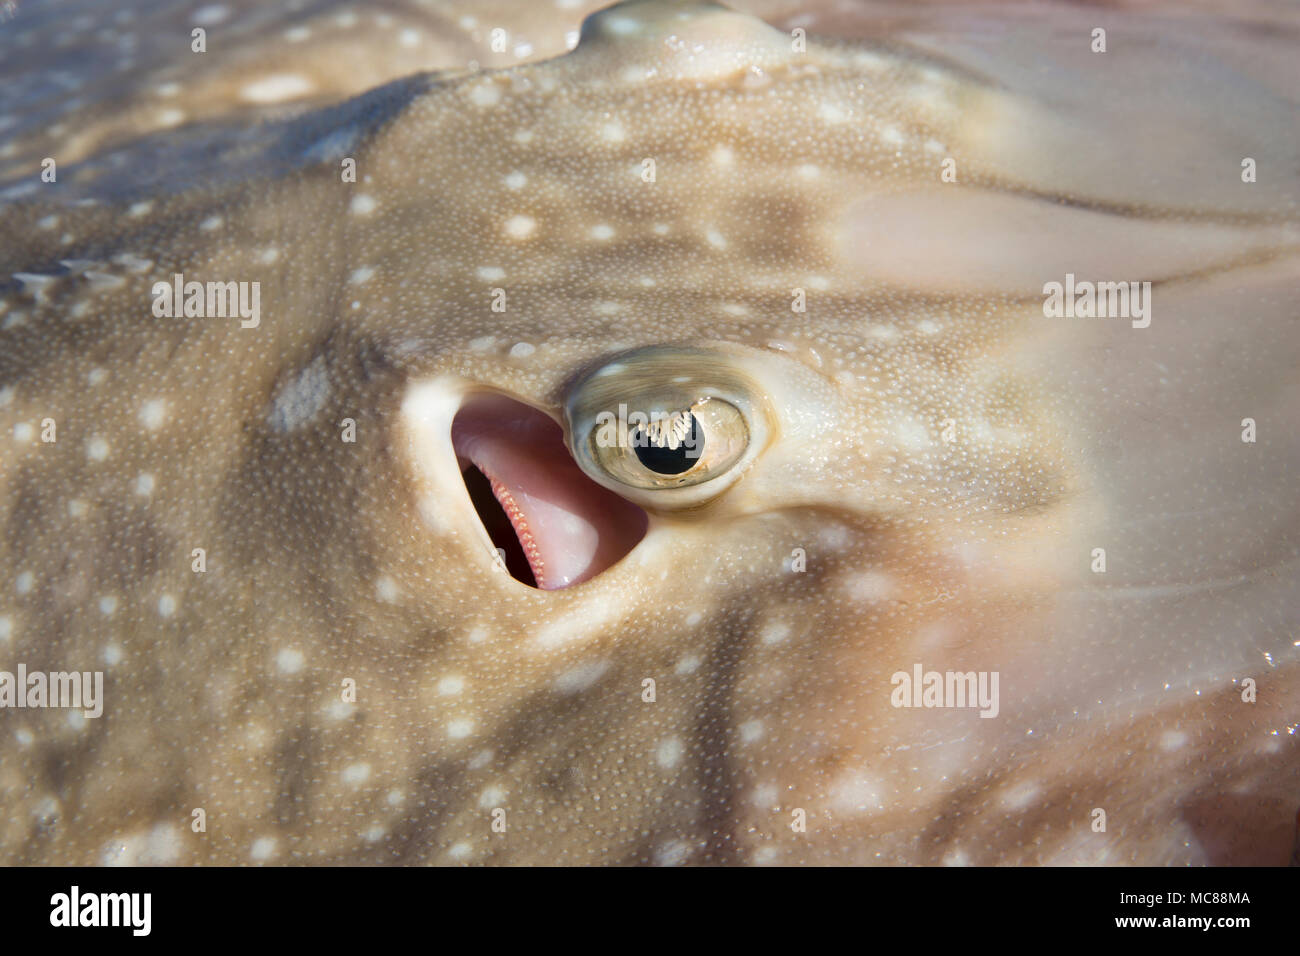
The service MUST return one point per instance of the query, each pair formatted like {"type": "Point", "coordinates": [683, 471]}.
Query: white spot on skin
{"type": "Point", "coordinates": [24, 432]}
{"type": "Point", "coordinates": [673, 854]}
{"type": "Point", "coordinates": [340, 710]}
{"type": "Point", "coordinates": [491, 273]}
{"type": "Point", "coordinates": [211, 224]}
{"type": "Point", "coordinates": [688, 664]}
{"type": "Point", "coordinates": [451, 686]}
{"type": "Point", "coordinates": [276, 88]}
{"type": "Point", "coordinates": [263, 849]}
{"type": "Point", "coordinates": [751, 731]}
{"type": "Point", "coordinates": [693, 619]}
{"type": "Point", "coordinates": [856, 792]}
{"type": "Point", "coordinates": [775, 632]}
{"type": "Point", "coordinates": [581, 677]}
{"type": "Point", "coordinates": [362, 205]}
{"type": "Point", "coordinates": [460, 728]}
{"type": "Point", "coordinates": [107, 605]}
{"type": "Point", "coordinates": [516, 180]}
{"type": "Point", "coordinates": [6, 627]}
{"type": "Point", "coordinates": [1172, 740]}
{"type": "Point", "coordinates": [520, 227]}
{"type": "Point", "coordinates": [290, 660]}
{"type": "Point", "coordinates": [268, 255]}
{"type": "Point", "coordinates": [112, 654]}
{"type": "Point", "coordinates": [522, 350]}
{"type": "Point", "coordinates": [138, 210]}
{"type": "Point", "coordinates": [913, 435]}
{"type": "Point", "coordinates": [144, 484]}
{"type": "Point", "coordinates": [299, 400]}
{"type": "Point", "coordinates": [612, 133]}
{"type": "Point", "coordinates": [97, 449]}
{"type": "Point", "coordinates": [207, 16]}
{"type": "Point", "coordinates": [153, 413]}
{"type": "Point", "coordinates": [602, 232]}
{"type": "Point", "coordinates": [491, 797]}
{"type": "Point", "coordinates": [386, 588]}
{"type": "Point", "coordinates": [723, 156]}
{"type": "Point", "coordinates": [870, 587]}
{"type": "Point", "coordinates": [77, 508]}
{"type": "Point", "coordinates": [485, 95]}
{"type": "Point", "coordinates": [364, 274]}
{"type": "Point", "coordinates": [166, 605]}
{"type": "Point", "coordinates": [356, 774]}
{"type": "Point", "coordinates": [1020, 797]}
{"type": "Point", "coordinates": [669, 753]}
{"type": "Point", "coordinates": [47, 809]}
{"type": "Point", "coordinates": [297, 34]}
{"type": "Point", "coordinates": [6, 395]}
{"type": "Point", "coordinates": [168, 118]}
{"type": "Point", "coordinates": [459, 851]}
{"type": "Point", "coordinates": [830, 113]}
{"type": "Point", "coordinates": [716, 239]}
{"type": "Point", "coordinates": [808, 171]}
{"type": "Point", "coordinates": [24, 582]}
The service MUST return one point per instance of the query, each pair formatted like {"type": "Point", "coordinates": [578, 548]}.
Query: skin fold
{"type": "Point", "coordinates": [934, 464]}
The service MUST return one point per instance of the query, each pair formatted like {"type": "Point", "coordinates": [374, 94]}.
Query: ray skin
{"type": "Point", "coordinates": [481, 701]}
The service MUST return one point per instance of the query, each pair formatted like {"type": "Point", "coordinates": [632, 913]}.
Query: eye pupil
{"type": "Point", "coordinates": [671, 448]}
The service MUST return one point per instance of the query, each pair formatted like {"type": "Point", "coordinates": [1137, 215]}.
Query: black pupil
{"type": "Point", "coordinates": [662, 459]}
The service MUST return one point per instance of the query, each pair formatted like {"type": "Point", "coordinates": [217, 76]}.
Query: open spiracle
{"type": "Point", "coordinates": [661, 433]}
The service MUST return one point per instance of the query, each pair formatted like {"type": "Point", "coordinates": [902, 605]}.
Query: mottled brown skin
{"type": "Point", "coordinates": [776, 170]}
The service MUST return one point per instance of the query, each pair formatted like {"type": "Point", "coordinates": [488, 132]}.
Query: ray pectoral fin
{"type": "Point", "coordinates": [569, 528]}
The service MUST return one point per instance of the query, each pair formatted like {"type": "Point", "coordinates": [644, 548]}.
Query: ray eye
{"type": "Point", "coordinates": [669, 448]}
{"type": "Point", "coordinates": [669, 427]}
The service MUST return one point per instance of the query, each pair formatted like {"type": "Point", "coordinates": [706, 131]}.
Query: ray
{"type": "Point", "coordinates": [846, 434]}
